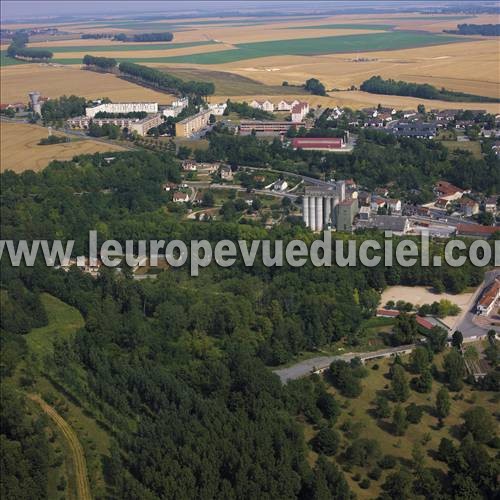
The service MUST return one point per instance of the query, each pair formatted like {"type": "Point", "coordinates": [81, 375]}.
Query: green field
{"type": "Point", "coordinates": [343, 27]}
{"type": "Point", "coordinates": [126, 47]}
{"type": "Point", "coordinates": [317, 46]}
{"type": "Point", "coordinates": [392, 40]}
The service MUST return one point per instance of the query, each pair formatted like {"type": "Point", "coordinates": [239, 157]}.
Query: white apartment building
{"type": "Point", "coordinates": [122, 108]}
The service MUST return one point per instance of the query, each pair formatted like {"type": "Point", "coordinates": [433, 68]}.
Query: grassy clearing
{"type": "Point", "coordinates": [318, 46]}
{"type": "Point", "coordinates": [358, 412]}
{"type": "Point", "coordinates": [64, 320]}
{"type": "Point", "coordinates": [473, 146]}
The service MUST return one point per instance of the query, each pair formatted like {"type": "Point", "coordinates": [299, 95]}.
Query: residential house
{"type": "Point", "coordinates": [280, 185]}
{"type": "Point", "coordinates": [442, 203]}
{"type": "Point", "coordinates": [489, 298]}
{"type": "Point", "coordinates": [264, 105]}
{"type": "Point", "coordinates": [189, 166]}
{"type": "Point", "coordinates": [286, 105]}
{"type": "Point", "coordinates": [180, 197]}
{"type": "Point", "coordinates": [381, 191]}
{"type": "Point", "coordinates": [299, 111]}
{"type": "Point", "coordinates": [226, 173]}
{"type": "Point", "coordinates": [490, 204]}
{"type": "Point", "coordinates": [469, 207]}
{"type": "Point", "coordinates": [377, 203]}
{"type": "Point", "coordinates": [448, 191]}
{"type": "Point", "coordinates": [394, 205]}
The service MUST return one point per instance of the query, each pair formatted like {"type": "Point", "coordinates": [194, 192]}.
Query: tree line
{"type": "Point", "coordinates": [106, 63]}
{"type": "Point", "coordinates": [166, 36]}
{"type": "Point", "coordinates": [17, 49]}
{"type": "Point", "coordinates": [165, 81]}
{"type": "Point", "coordinates": [476, 29]}
{"type": "Point", "coordinates": [377, 85]}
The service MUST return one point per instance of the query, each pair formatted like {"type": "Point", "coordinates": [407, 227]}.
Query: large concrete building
{"type": "Point", "coordinates": [122, 108]}
{"type": "Point", "coordinates": [267, 127]}
{"type": "Point", "coordinates": [319, 205]}
{"type": "Point", "coordinates": [141, 126]}
{"type": "Point", "coordinates": [193, 124]}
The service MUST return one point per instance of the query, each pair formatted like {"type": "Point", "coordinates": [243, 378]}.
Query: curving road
{"type": "Point", "coordinates": [82, 482]}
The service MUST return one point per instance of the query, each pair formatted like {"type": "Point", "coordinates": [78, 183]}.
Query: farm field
{"type": "Point", "coordinates": [319, 45]}
{"type": "Point", "coordinates": [20, 150]}
{"type": "Point", "coordinates": [53, 81]}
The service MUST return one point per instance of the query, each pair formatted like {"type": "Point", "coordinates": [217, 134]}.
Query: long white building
{"type": "Point", "coordinates": [319, 203]}
{"type": "Point", "coordinates": [122, 107]}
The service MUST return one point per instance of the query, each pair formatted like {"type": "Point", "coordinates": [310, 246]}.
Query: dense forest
{"type": "Point", "coordinates": [164, 81]}
{"type": "Point", "coordinates": [175, 367]}
{"type": "Point", "coordinates": [377, 85]}
{"type": "Point", "coordinates": [18, 49]}
{"type": "Point", "coordinates": [476, 29]}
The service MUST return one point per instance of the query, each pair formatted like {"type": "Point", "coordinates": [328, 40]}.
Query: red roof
{"type": "Point", "coordinates": [317, 142]}
{"type": "Point", "coordinates": [423, 322]}
{"type": "Point", "coordinates": [447, 189]}
{"type": "Point", "coordinates": [299, 107]}
{"type": "Point", "coordinates": [387, 312]}
{"type": "Point", "coordinates": [490, 294]}
{"type": "Point", "coordinates": [476, 229]}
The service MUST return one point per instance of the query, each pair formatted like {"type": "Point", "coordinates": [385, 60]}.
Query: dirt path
{"type": "Point", "coordinates": [82, 482]}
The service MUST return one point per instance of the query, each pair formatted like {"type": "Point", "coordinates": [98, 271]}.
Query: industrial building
{"type": "Point", "coordinates": [193, 124]}
{"type": "Point", "coordinates": [122, 108]}
{"type": "Point", "coordinates": [267, 127]}
{"type": "Point", "coordinates": [319, 203]}
{"type": "Point", "coordinates": [317, 143]}
{"type": "Point", "coordinates": [36, 105]}
{"type": "Point", "coordinates": [344, 214]}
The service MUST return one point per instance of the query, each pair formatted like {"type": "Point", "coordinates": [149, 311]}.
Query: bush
{"type": "Point", "coordinates": [387, 462]}
{"type": "Point", "coordinates": [375, 473]}
{"type": "Point", "coordinates": [365, 484]}
{"type": "Point", "coordinates": [326, 441]}
{"type": "Point", "coordinates": [414, 413]}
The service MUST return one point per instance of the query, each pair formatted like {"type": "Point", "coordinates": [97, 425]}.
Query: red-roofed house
{"type": "Point", "coordinates": [448, 191]}
{"type": "Point", "coordinates": [299, 111]}
{"type": "Point", "coordinates": [476, 230]}
{"type": "Point", "coordinates": [488, 298]}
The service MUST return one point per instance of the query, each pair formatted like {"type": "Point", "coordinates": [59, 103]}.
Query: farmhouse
{"type": "Point", "coordinates": [488, 298]}
{"type": "Point", "coordinates": [317, 143]}
{"type": "Point", "coordinates": [122, 108]}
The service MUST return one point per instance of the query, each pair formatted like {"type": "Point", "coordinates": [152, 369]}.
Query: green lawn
{"type": "Point", "coordinates": [473, 146]}
{"type": "Point", "coordinates": [64, 320]}
{"type": "Point", "coordinates": [316, 46]}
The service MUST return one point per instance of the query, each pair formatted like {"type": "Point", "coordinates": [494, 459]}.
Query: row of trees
{"type": "Point", "coordinates": [476, 29]}
{"type": "Point", "coordinates": [165, 36]}
{"type": "Point", "coordinates": [377, 85]}
{"type": "Point", "coordinates": [105, 63]}
{"type": "Point", "coordinates": [164, 81]}
{"type": "Point", "coordinates": [17, 49]}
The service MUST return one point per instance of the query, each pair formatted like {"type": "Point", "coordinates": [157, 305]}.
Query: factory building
{"type": "Point", "coordinates": [36, 105]}
{"type": "Point", "coordinates": [267, 127]}
{"type": "Point", "coordinates": [122, 108]}
{"type": "Point", "coordinates": [193, 124]}
{"type": "Point", "coordinates": [319, 205]}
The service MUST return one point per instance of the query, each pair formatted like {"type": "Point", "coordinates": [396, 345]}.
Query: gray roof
{"type": "Point", "coordinates": [388, 223]}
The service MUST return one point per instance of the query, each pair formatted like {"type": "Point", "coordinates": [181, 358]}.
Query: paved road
{"type": "Point", "coordinates": [464, 322]}
{"type": "Point", "coordinates": [308, 366]}
{"type": "Point", "coordinates": [82, 482]}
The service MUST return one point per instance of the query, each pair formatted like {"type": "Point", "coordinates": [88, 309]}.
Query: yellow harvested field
{"type": "Point", "coordinates": [145, 53]}
{"type": "Point", "coordinates": [20, 150]}
{"type": "Point", "coordinates": [54, 81]}
{"type": "Point", "coordinates": [357, 100]}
